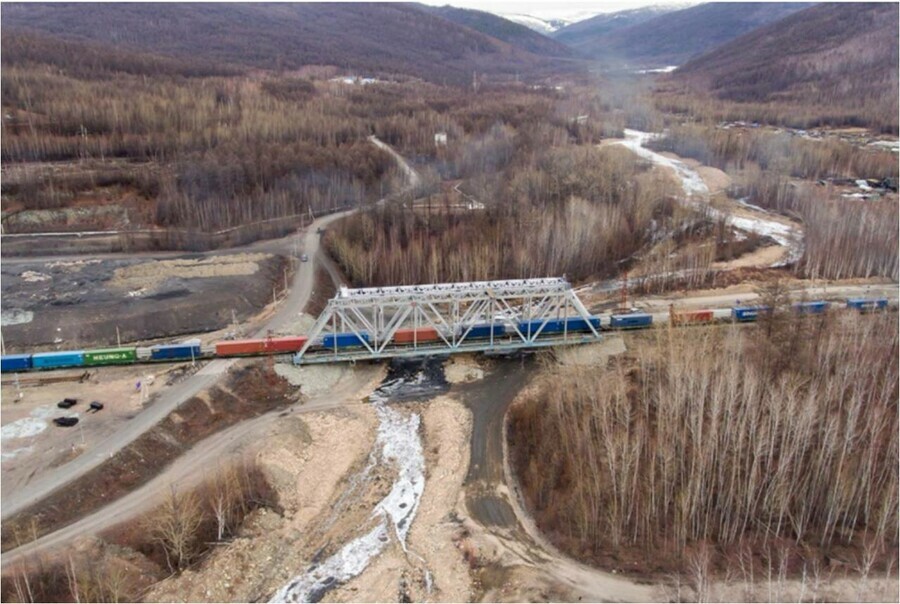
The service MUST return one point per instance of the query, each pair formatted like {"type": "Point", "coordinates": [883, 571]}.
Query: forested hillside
{"type": "Point", "coordinates": [583, 32]}
{"type": "Point", "coordinates": [673, 38]}
{"type": "Point", "coordinates": [840, 57]}
{"type": "Point", "coordinates": [372, 39]}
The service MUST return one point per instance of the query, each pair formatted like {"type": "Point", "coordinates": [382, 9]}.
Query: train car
{"type": "Point", "coordinates": [233, 348]}
{"type": "Point", "coordinates": [176, 352]}
{"type": "Point", "coordinates": [110, 356]}
{"type": "Point", "coordinates": [416, 335]}
{"type": "Point", "coordinates": [867, 304]}
{"type": "Point", "coordinates": [691, 317]}
{"type": "Point", "coordinates": [631, 321]}
{"type": "Point", "coordinates": [57, 360]}
{"type": "Point", "coordinates": [745, 314]}
{"type": "Point", "coordinates": [15, 362]}
{"type": "Point", "coordinates": [570, 324]}
{"type": "Point", "coordinates": [816, 307]}
{"type": "Point", "coordinates": [484, 331]}
{"type": "Point", "coordinates": [345, 340]}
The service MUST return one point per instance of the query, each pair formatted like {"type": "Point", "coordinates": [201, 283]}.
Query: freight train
{"type": "Point", "coordinates": [192, 349]}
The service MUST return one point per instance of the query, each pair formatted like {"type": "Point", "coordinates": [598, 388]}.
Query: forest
{"type": "Point", "coordinates": [776, 440]}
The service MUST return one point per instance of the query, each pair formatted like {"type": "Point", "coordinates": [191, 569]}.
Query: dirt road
{"type": "Point", "coordinates": [289, 309]}
{"type": "Point", "coordinates": [412, 176]}
{"type": "Point", "coordinates": [197, 464]}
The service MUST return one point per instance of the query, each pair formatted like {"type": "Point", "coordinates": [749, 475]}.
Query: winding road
{"type": "Point", "coordinates": [169, 400]}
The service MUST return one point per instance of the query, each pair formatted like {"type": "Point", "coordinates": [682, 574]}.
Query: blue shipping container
{"type": "Point", "coordinates": [558, 325]}
{"type": "Point", "coordinates": [864, 304]}
{"type": "Point", "coordinates": [15, 362]}
{"type": "Point", "coordinates": [53, 360]}
{"type": "Point", "coordinates": [175, 351]}
{"type": "Point", "coordinates": [632, 321]}
{"type": "Point", "coordinates": [819, 306]}
{"type": "Point", "coordinates": [747, 313]}
{"type": "Point", "coordinates": [345, 340]}
{"type": "Point", "coordinates": [484, 331]}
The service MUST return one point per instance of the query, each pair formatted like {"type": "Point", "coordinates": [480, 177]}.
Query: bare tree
{"type": "Point", "coordinates": [174, 525]}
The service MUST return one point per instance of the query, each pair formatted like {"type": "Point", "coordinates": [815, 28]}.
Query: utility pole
{"type": "Point", "coordinates": [118, 338]}
{"type": "Point", "coordinates": [625, 290]}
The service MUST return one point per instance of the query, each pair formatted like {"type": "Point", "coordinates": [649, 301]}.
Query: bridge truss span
{"type": "Point", "coordinates": [445, 318]}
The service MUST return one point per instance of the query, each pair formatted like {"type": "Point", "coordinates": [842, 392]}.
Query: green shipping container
{"type": "Point", "coordinates": [109, 356]}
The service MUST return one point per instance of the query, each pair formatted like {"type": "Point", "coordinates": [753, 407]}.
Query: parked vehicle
{"type": "Point", "coordinates": [110, 356]}
{"type": "Point", "coordinates": [691, 317]}
{"type": "Point", "coordinates": [67, 403]}
{"type": "Point", "coordinates": [416, 335]}
{"type": "Point", "coordinates": [184, 351]}
{"type": "Point", "coordinates": [57, 360]}
{"type": "Point", "coordinates": [745, 314]}
{"type": "Point", "coordinates": [65, 422]}
{"type": "Point", "coordinates": [232, 348]}
{"type": "Point", "coordinates": [816, 307]}
{"type": "Point", "coordinates": [484, 331]}
{"type": "Point", "coordinates": [631, 321]}
{"type": "Point", "coordinates": [304, 258]}
{"type": "Point", "coordinates": [345, 340]}
{"type": "Point", "coordinates": [867, 304]}
{"type": "Point", "coordinates": [15, 362]}
{"type": "Point", "coordinates": [96, 406]}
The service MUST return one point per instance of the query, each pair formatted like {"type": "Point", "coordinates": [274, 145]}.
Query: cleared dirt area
{"type": "Point", "coordinates": [250, 392]}
{"type": "Point", "coordinates": [76, 303]}
{"type": "Point", "coordinates": [31, 443]}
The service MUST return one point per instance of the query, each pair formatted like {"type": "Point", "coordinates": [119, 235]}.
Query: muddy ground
{"type": "Point", "coordinates": [72, 304]}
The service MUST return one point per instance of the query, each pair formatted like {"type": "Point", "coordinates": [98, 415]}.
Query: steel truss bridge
{"type": "Point", "coordinates": [508, 316]}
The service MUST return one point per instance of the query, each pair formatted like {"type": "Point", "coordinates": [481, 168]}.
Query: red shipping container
{"type": "Point", "coordinates": [691, 316]}
{"type": "Point", "coordinates": [422, 334]}
{"type": "Point", "coordinates": [261, 346]}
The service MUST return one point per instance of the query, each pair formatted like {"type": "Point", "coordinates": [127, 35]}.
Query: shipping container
{"type": "Point", "coordinates": [867, 304]}
{"type": "Point", "coordinates": [691, 317]}
{"type": "Point", "coordinates": [420, 335]}
{"type": "Point", "coordinates": [110, 356]}
{"type": "Point", "coordinates": [811, 308]}
{"type": "Point", "coordinates": [57, 360]}
{"type": "Point", "coordinates": [345, 340]}
{"type": "Point", "coordinates": [183, 351]}
{"type": "Point", "coordinates": [748, 313]}
{"type": "Point", "coordinates": [15, 362]}
{"type": "Point", "coordinates": [631, 321]}
{"type": "Point", "coordinates": [484, 331]}
{"type": "Point", "coordinates": [554, 326]}
{"type": "Point", "coordinates": [261, 346]}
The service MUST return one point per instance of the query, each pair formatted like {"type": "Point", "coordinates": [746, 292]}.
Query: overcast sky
{"type": "Point", "coordinates": [552, 9]}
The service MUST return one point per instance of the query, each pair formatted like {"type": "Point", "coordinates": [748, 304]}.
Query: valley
{"type": "Point", "coordinates": [710, 415]}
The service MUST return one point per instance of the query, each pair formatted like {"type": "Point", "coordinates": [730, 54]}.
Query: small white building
{"type": "Point", "coordinates": [440, 139]}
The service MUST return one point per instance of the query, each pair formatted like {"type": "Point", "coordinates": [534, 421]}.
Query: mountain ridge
{"type": "Point", "coordinates": [841, 55]}
{"type": "Point", "coordinates": [672, 38]}
{"type": "Point", "coordinates": [375, 39]}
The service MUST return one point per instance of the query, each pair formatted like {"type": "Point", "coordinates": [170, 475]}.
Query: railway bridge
{"type": "Point", "coordinates": [494, 317]}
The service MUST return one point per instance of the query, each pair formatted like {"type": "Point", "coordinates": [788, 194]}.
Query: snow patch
{"type": "Point", "coordinates": [690, 180]}
{"type": "Point", "coordinates": [666, 69]}
{"type": "Point", "coordinates": [698, 196]}
{"type": "Point", "coordinates": [397, 444]}
{"type": "Point", "coordinates": [15, 316]}
{"type": "Point", "coordinates": [15, 453]}
{"type": "Point", "coordinates": [23, 428]}
{"type": "Point", "coordinates": [34, 276]}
